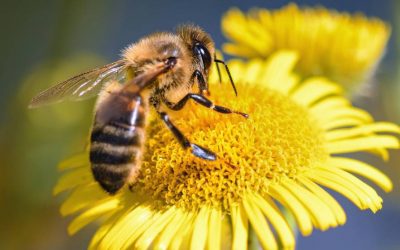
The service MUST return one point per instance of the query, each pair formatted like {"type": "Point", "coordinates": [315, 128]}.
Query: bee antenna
{"type": "Point", "coordinates": [227, 71]}
{"type": "Point", "coordinates": [218, 70]}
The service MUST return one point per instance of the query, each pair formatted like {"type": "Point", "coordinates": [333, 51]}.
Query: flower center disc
{"type": "Point", "coordinates": [277, 141]}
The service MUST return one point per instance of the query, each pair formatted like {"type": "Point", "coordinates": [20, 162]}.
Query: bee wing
{"type": "Point", "coordinates": [82, 86]}
{"type": "Point", "coordinates": [117, 105]}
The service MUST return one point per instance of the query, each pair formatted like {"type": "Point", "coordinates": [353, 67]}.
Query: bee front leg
{"type": "Point", "coordinates": [185, 143]}
{"type": "Point", "coordinates": [200, 99]}
{"type": "Point", "coordinates": [203, 85]}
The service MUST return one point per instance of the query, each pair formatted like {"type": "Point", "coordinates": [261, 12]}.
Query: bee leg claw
{"type": "Point", "coordinates": [203, 152]}
{"type": "Point", "coordinates": [242, 114]}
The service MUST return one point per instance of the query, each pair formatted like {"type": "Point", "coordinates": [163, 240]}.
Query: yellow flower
{"type": "Point", "coordinates": [345, 48]}
{"type": "Point", "coordinates": [285, 153]}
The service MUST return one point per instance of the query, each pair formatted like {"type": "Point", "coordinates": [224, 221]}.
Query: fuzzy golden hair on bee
{"type": "Point", "coordinates": [155, 46]}
{"type": "Point", "coordinates": [159, 71]}
{"type": "Point", "coordinates": [191, 34]}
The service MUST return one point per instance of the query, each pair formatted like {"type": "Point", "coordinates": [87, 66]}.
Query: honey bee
{"type": "Point", "coordinates": [159, 70]}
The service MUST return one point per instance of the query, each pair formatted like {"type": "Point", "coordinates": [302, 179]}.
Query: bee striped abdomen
{"type": "Point", "coordinates": [116, 148]}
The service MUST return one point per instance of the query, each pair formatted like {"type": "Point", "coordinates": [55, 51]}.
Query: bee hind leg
{"type": "Point", "coordinates": [196, 150]}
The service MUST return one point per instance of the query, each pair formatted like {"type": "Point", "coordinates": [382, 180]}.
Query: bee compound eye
{"type": "Point", "coordinates": [203, 52]}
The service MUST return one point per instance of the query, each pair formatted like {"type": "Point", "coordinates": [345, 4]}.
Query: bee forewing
{"type": "Point", "coordinates": [115, 106]}
{"type": "Point", "coordinates": [82, 86]}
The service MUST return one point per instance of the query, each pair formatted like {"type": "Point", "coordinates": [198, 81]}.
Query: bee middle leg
{"type": "Point", "coordinates": [196, 150]}
{"type": "Point", "coordinates": [202, 100]}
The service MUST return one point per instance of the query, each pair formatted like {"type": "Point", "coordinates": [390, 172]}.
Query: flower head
{"type": "Point", "coordinates": [285, 153]}
{"type": "Point", "coordinates": [345, 48]}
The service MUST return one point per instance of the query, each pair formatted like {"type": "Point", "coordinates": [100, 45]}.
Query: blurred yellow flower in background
{"type": "Point", "coordinates": [284, 156]}
{"type": "Point", "coordinates": [342, 47]}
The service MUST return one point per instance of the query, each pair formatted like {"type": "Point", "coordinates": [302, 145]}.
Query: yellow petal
{"type": "Point", "coordinates": [364, 191]}
{"type": "Point", "coordinates": [254, 69]}
{"type": "Point", "coordinates": [227, 232]}
{"type": "Point", "coordinates": [277, 72]}
{"type": "Point", "coordinates": [339, 186]}
{"type": "Point", "coordinates": [320, 108]}
{"type": "Point", "coordinates": [363, 198]}
{"type": "Point", "coordinates": [342, 122]}
{"type": "Point", "coordinates": [239, 51]}
{"type": "Point", "coordinates": [381, 152]}
{"type": "Point", "coordinates": [331, 116]}
{"type": "Point", "coordinates": [337, 210]}
{"type": "Point", "coordinates": [199, 235]}
{"type": "Point", "coordinates": [76, 177]}
{"type": "Point", "coordinates": [171, 229]}
{"type": "Point", "coordinates": [378, 127]}
{"type": "Point", "coordinates": [240, 227]}
{"type": "Point", "coordinates": [244, 34]}
{"type": "Point", "coordinates": [313, 89]}
{"type": "Point", "coordinates": [263, 38]}
{"type": "Point", "coordinates": [237, 69]}
{"type": "Point", "coordinates": [128, 227]}
{"type": "Point", "coordinates": [301, 215]}
{"type": "Point", "coordinates": [179, 240]}
{"type": "Point", "coordinates": [103, 230]}
{"type": "Point", "coordinates": [92, 214]}
{"type": "Point", "coordinates": [259, 224]}
{"type": "Point", "coordinates": [363, 143]}
{"type": "Point", "coordinates": [277, 220]}
{"type": "Point", "coordinates": [214, 229]}
{"type": "Point", "coordinates": [323, 217]}
{"type": "Point", "coordinates": [232, 15]}
{"type": "Point", "coordinates": [78, 160]}
{"type": "Point", "coordinates": [363, 169]}
{"type": "Point", "coordinates": [330, 43]}
{"type": "Point", "coordinates": [82, 198]}
{"type": "Point", "coordinates": [146, 239]}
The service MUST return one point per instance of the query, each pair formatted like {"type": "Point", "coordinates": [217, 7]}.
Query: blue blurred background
{"type": "Point", "coordinates": [45, 41]}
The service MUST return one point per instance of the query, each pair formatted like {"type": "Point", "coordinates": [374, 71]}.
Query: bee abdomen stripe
{"type": "Point", "coordinates": [115, 149]}
{"type": "Point", "coordinates": [116, 138]}
{"type": "Point", "coordinates": [100, 156]}
{"type": "Point", "coordinates": [106, 172]}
